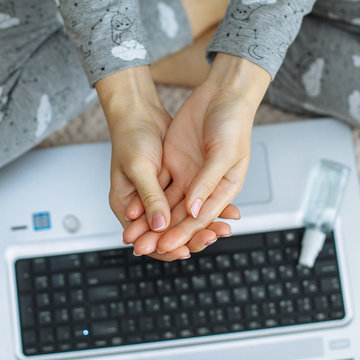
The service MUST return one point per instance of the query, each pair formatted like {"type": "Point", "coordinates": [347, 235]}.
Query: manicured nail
{"type": "Point", "coordinates": [185, 257]}
{"type": "Point", "coordinates": [158, 222]}
{"type": "Point", "coordinates": [210, 242]}
{"type": "Point", "coordinates": [136, 253]}
{"type": "Point", "coordinates": [161, 252]}
{"type": "Point", "coordinates": [195, 207]}
{"type": "Point", "coordinates": [126, 218]}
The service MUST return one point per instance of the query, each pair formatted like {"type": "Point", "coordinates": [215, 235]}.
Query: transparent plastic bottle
{"type": "Point", "coordinates": [326, 189]}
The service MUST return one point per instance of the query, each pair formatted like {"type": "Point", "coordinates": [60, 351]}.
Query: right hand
{"type": "Point", "coordinates": [137, 122]}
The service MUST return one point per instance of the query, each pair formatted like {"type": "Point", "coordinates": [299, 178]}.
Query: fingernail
{"type": "Point", "coordinates": [126, 218]}
{"type": "Point", "coordinates": [185, 257]}
{"type": "Point", "coordinates": [195, 207]}
{"type": "Point", "coordinates": [158, 222]}
{"type": "Point", "coordinates": [136, 253]}
{"type": "Point", "coordinates": [160, 252]}
{"type": "Point", "coordinates": [210, 242]}
{"type": "Point", "coordinates": [225, 235]}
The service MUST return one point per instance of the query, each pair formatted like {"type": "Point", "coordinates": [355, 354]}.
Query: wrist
{"type": "Point", "coordinates": [240, 77]}
{"type": "Point", "coordinates": [130, 95]}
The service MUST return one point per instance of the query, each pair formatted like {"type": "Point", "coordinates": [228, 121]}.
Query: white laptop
{"type": "Point", "coordinates": [70, 289]}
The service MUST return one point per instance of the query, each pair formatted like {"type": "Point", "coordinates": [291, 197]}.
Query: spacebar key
{"type": "Point", "coordinates": [103, 293]}
{"type": "Point", "coordinates": [104, 328]}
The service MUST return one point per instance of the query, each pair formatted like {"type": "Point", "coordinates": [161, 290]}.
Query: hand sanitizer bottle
{"type": "Point", "coordinates": [327, 185]}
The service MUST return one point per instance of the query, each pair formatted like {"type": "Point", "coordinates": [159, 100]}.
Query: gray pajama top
{"type": "Point", "coordinates": [109, 35]}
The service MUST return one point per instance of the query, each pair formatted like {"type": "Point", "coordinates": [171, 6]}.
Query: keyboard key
{"type": "Point", "coordinates": [77, 296]}
{"type": "Point", "coordinates": [146, 288]}
{"type": "Point", "coordinates": [39, 265]}
{"type": "Point", "coordinates": [106, 276]}
{"type": "Point", "coordinates": [286, 272]}
{"type": "Point", "coordinates": [78, 313]}
{"type": "Point", "coordinates": [63, 333]}
{"type": "Point", "coordinates": [321, 303]}
{"type": "Point", "coordinates": [104, 328]}
{"type": "Point", "coordinates": [251, 276]}
{"type": "Point", "coordinates": [275, 256]}
{"type": "Point", "coordinates": [241, 294]}
{"type": "Point", "coordinates": [258, 257]}
{"type": "Point", "coordinates": [269, 273]}
{"type": "Point", "coordinates": [146, 323]}
{"type": "Point", "coordinates": [58, 281]}
{"type": "Point", "coordinates": [325, 267]}
{"type": "Point", "coordinates": [330, 284]}
{"type": "Point", "coordinates": [170, 303]}
{"type": "Point", "coordinates": [234, 313]}
{"type": "Point", "coordinates": [46, 335]}
{"type": "Point", "coordinates": [273, 239]}
{"type": "Point", "coordinates": [291, 238]}
{"type": "Point", "coordinates": [43, 300]}
{"type": "Point", "coordinates": [269, 309]}
{"type": "Point", "coordinates": [117, 309]}
{"type": "Point", "coordinates": [187, 300]}
{"type": "Point", "coordinates": [128, 325]}
{"type": "Point", "coordinates": [336, 301]}
{"type": "Point", "coordinates": [199, 282]}
{"type": "Point", "coordinates": [205, 299]}
{"type": "Point", "coordinates": [61, 316]}
{"type": "Point", "coordinates": [182, 320]}
{"type": "Point", "coordinates": [134, 307]}
{"type": "Point", "coordinates": [65, 262]}
{"type": "Point", "coordinates": [206, 264]}
{"type": "Point", "coordinates": [75, 279]}
{"type": "Point", "coordinates": [223, 262]}
{"type": "Point", "coordinates": [234, 278]}
{"type": "Point", "coordinates": [310, 286]}
{"type": "Point", "coordinates": [241, 260]}
{"type": "Point", "coordinates": [154, 305]}
{"type": "Point", "coordinates": [275, 290]}
{"type": "Point", "coordinates": [164, 321]}
{"type": "Point", "coordinates": [258, 292]}
{"type": "Point", "coordinates": [163, 286]}
{"type": "Point", "coordinates": [91, 259]}
{"type": "Point", "coordinates": [181, 284]}
{"type": "Point", "coordinates": [223, 297]}
{"type": "Point", "coordinates": [304, 305]}
{"type": "Point", "coordinates": [217, 280]}
{"type": "Point", "coordinates": [29, 337]}
{"type": "Point", "coordinates": [286, 307]}
{"type": "Point", "coordinates": [60, 298]}
{"type": "Point", "coordinates": [217, 316]}
{"type": "Point", "coordinates": [44, 317]}
{"type": "Point", "coordinates": [41, 282]}
{"type": "Point", "coordinates": [103, 293]}
{"type": "Point", "coordinates": [199, 318]}
{"type": "Point", "coordinates": [23, 274]}
{"type": "Point", "coordinates": [252, 311]}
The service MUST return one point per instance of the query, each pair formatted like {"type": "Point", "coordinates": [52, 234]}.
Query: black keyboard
{"type": "Point", "coordinates": [112, 298]}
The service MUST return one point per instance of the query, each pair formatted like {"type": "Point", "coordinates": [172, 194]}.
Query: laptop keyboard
{"type": "Point", "coordinates": [111, 298]}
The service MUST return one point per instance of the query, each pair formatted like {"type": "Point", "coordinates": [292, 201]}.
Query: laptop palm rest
{"type": "Point", "coordinates": [257, 186]}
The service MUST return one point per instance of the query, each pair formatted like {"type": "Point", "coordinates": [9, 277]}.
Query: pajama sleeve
{"type": "Point", "coordinates": [108, 35]}
{"type": "Point", "coordinates": [259, 30]}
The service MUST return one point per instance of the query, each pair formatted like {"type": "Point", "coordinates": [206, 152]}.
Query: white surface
{"type": "Point", "coordinates": [312, 243]}
{"type": "Point", "coordinates": [74, 180]}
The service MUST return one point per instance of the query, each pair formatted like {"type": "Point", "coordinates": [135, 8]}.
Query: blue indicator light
{"type": "Point", "coordinates": [85, 332]}
{"type": "Point", "coordinates": [41, 221]}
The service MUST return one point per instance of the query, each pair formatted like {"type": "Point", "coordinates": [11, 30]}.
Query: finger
{"type": "Point", "coordinates": [205, 182]}
{"type": "Point", "coordinates": [146, 243]}
{"type": "Point", "coordinates": [152, 196]}
{"type": "Point", "coordinates": [121, 193]}
{"type": "Point", "coordinates": [230, 212]}
{"type": "Point", "coordinates": [135, 209]}
{"type": "Point", "coordinates": [182, 253]}
{"type": "Point", "coordinates": [215, 204]}
{"type": "Point", "coordinates": [136, 229]}
{"type": "Point", "coordinates": [203, 239]}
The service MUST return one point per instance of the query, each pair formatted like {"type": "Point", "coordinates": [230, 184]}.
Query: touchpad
{"type": "Point", "coordinates": [257, 186]}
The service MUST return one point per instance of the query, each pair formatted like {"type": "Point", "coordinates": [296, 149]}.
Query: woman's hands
{"type": "Point", "coordinates": [137, 123]}
{"type": "Point", "coordinates": [207, 151]}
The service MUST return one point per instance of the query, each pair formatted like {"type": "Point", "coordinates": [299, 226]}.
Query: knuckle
{"type": "Point", "coordinates": [150, 199]}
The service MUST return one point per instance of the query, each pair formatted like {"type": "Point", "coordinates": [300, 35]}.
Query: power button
{"type": "Point", "coordinates": [71, 223]}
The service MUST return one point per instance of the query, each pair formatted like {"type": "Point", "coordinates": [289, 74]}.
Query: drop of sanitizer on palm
{"type": "Point", "coordinates": [325, 192]}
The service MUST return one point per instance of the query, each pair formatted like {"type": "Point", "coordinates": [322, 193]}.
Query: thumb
{"type": "Point", "coordinates": [205, 182]}
{"type": "Point", "coordinates": [152, 196]}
